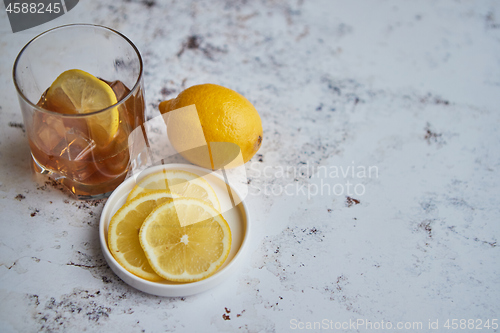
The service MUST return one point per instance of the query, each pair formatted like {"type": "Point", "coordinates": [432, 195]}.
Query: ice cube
{"type": "Point", "coordinates": [120, 89]}
{"type": "Point", "coordinates": [79, 147]}
{"type": "Point", "coordinates": [56, 123]}
{"type": "Point", "coordinates": [48, 138]}
{"type": "Point", "coordinates": [80, 170]}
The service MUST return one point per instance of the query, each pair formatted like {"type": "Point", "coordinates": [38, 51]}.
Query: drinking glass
{"type": "Point", "coordinates": [65, 146]}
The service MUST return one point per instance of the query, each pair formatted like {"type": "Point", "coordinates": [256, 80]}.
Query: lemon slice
{"type": "Point", "coordinates": [181, 182]}
{"type": "Point", "coordinates": [75, 92]}
{"type": "Point", "coordinates": [123, 233]}
{"type": "Point", "coordinates": [185, 240]}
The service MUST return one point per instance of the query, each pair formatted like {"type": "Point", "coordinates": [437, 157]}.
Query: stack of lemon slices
{"type": "Point", "coordinates": [170, 228]}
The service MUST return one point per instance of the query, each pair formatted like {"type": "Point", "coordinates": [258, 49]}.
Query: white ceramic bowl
{"type": "Point", "coordinates": [237, 218]}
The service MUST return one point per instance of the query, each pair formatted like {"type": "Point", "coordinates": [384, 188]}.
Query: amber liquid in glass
{"type": "Point", "coordinates": [63, 145]}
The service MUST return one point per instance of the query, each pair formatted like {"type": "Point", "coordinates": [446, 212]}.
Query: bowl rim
{"type": "Point", "coordinates": [174, 289]}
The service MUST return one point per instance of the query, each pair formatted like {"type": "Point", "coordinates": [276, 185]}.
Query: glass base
{"type": "Point", "coordinates": [77, 190]}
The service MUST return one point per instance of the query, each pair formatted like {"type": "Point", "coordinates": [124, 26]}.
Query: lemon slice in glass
{"type": "Point", "coordinates": [78, 92]}
{"type": "Point", "coordinates": [123, 233]}
{"type": "Point", "coordinates": [185, 240]}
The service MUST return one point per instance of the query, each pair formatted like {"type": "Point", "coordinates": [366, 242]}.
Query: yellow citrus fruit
{"type": "Point", "coordinates": [123, 233]}
{"type": "Point", "coordinates": [180, 182]}
{"type": "Point", "coordinates": [77, 92]}
{"type": "Point", "coordinates": [225, 116]}
{"type": "Point", "coordinates": [185, 240]}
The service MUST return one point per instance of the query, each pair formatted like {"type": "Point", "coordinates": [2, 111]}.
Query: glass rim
{"type": "Point", "coordinates": [78, 115]}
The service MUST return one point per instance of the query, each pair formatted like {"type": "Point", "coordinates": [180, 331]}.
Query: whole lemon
{"type": "Point", "coordinates": [224, 130]}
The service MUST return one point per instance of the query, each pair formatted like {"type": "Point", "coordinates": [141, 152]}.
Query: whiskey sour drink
{"type": "Point", "coordinates": [81, 94]}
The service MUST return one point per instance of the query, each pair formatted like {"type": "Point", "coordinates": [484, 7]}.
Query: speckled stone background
{"type": "Point", "coordinates": [410, 89]}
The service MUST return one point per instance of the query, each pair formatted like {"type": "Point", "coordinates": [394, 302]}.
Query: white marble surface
{"type": "Point", "coordinates": [411, 89]}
